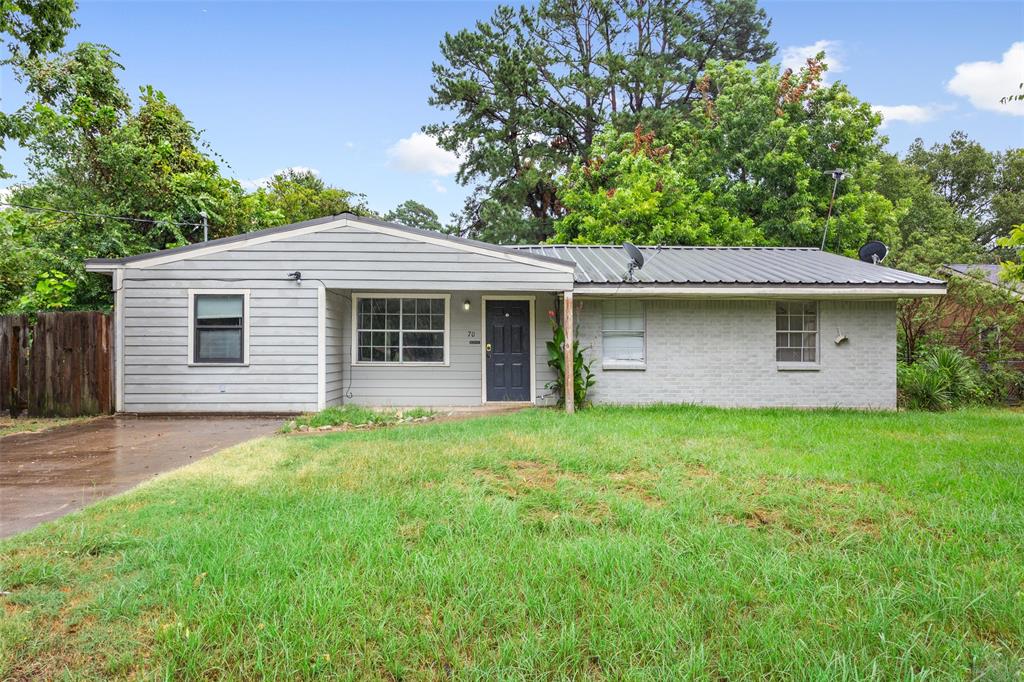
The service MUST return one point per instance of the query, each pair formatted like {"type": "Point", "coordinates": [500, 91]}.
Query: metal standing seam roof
{"type": "Point", "coordinates": [989, 272]}
{"type": "Point", "coordinates": [724, 265]}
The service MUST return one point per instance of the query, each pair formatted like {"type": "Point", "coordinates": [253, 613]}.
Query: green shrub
{"type": "Point", "coordinates": [583, 377]}
{"type": "Point", "coordinates": [944, 378]}
{"type": "Point", "coordinates": [922, 388]}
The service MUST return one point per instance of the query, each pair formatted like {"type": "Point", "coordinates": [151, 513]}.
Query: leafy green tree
{"type": "Point", "coordinates": [747, 166]}
{"type": "Point", "coordinates": [531, 88]}
{"type": "Point", "coordinates": [961, 170]}
{"type": "Point", "coordinates": [930, 232]}
{"type": "Point", "coordinates": [38, 26]}
{"type": "Point", "coordinates": [1014, 271]}
{"type": "Point", "coordinates": [763, 141]}
{"type": "Point", "coordinates": [296, 195]}
{"type": "Point", "coordinates": [632, 190]}
{"type": "Point", "coordinates": [1007, 208]}
{"type": "Point", "coordinates": [31, 27]}
{"type": "Point", "coordinates": [415, 214]}
{"type": "Point", "coordinates": [91, 150]}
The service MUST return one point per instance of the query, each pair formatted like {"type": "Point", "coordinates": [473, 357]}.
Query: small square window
{"type": "Point", "coordinates": [796, 332]}
{"type": "Point", "coordinates": [218, 328]}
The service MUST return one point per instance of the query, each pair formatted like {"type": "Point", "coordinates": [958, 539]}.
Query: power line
{"type": "Point", "coordinates": [98, 215]}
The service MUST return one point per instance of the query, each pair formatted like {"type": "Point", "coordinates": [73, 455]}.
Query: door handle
{"type": "Point", "coordinates": [488, 348]}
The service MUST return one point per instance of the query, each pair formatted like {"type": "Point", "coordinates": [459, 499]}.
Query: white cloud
{"type": "Point", "coordinates": [795, 56]}
{"type": "Point", "coordinates": [985, 83]}
{"type": "Point", "coordinates": [255, 183]}
{"type": "Point", "coordinates": [438, 186]}
{"type": "Point", "coordinates": [419, 153]}
{"type": "Point", "coordinates": [909, 113]}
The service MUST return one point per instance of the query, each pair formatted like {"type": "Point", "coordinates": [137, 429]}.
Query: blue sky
{"type": "Point", "coordinates": [342, 87]}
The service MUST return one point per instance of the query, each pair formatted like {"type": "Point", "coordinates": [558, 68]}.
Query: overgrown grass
{"type": "Point", "coordinates": [353, 415]}
{"type": "Point", "coordinates": [662, 543]}
{"type": "Point", "coordinates": [10, 426]}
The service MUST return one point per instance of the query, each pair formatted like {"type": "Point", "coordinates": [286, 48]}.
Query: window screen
{"type": "Point", "coordinates": [623, 331]}
{"type": "Point", "coordinates": [796, 331]}
{"type": "Point", "coordinates": [400, 330]}
{"type": "Point", "coordinates": [219, 328]}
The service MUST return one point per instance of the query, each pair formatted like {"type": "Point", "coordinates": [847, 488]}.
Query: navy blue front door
{"type": "Point", "coordinates": [508, 350]}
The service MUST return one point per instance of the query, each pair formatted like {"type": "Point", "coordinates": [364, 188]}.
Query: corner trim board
{"type": "Point", "coordinates": [321, 348]}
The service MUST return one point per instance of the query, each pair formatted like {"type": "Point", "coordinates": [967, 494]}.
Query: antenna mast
{"type": "Point", "coordinates": [837, 175]}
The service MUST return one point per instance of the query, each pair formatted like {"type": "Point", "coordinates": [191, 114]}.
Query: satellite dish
{"type": "Point", "coordinates": [873, 252]}
{"type": "Point", "coordinates": [634, 254]}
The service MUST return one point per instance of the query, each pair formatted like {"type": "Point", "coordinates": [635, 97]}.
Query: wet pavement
{"type": "Point", "coordinates": [46, 475]}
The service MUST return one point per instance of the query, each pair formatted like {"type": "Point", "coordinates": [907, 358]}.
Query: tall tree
{"type": "Point", "coordinates": [930, 232]}
{"type": "Point", "coordinates": [415, 214]}
{"type": "Point", "coordinates": [747, 166]}
{"type": "Point", "coordinates": [634, 190]}
{"type": "Point", "coordinates": [31, 27]}
{"type": "Point", "coordinates": [292, 196]}
{"type": "Point", "coordinates": [37, 26]}
{"type": "Point", "coordinates": [531, 88]}
{"type": "Point", "coordinates": [961, 170]}
{"type": "Point", "coordinates": [91, 150]}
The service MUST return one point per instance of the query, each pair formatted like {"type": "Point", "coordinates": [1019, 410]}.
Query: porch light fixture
{"type": "Point", "coordinates": [465, 305]}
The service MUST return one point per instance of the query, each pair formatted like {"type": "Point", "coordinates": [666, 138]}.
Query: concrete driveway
{"type": "Point", "coordinates": [46, 475]}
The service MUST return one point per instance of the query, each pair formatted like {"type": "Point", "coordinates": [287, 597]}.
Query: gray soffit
{"type": "Point", "coordinates": [721, 265]}
{"type": "Point", "coordinates": [283, 229]}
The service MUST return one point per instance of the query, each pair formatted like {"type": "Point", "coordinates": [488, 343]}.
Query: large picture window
{"type": "Point", "coordinates": [401, 329]}
{"type": "Point", "coordinates": [796, 331]}
{"type": "Point", "coordinates": [218, 328]}
{"type": "Point", "coordinates": [622, 332]}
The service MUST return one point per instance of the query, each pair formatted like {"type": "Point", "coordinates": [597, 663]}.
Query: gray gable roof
{"type": "Point", "coordinates": [725, 265]}
{"type": "Point", "coordinates": [284, 229]}
{"type": "Point", "coordinates": [988, 272]}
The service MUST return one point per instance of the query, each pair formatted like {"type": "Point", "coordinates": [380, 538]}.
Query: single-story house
{"type": "Point", "coordinates": [347, 309]}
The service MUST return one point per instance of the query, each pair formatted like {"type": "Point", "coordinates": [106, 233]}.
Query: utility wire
{"type": "Point", "coordinates": [98, 215]}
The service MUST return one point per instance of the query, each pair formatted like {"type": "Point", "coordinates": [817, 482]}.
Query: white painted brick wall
{"type": "Point", "coordinates": [723, 353]}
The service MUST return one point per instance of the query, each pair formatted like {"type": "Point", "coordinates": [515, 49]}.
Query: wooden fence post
{"type": "Point", "coordinates": [570, 371]}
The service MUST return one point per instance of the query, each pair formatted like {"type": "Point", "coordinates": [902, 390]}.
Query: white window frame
{"type": "Point", "coordinates": [612, 364]}
{"type": "Point", "coordinates": [798, 365]}
{"type": "Point", "coordinates": [192, 293]}
{"type": "Point", "coordinates": [356, 362]}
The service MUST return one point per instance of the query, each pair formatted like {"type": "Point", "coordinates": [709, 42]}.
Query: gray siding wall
{"type": "Point", "coordinates": [335, 313]}
{"type": "Point", "coordinates": [459, 383]}
{"type": "Point", "coordinates": [355, 258]}
{"type": "Point", "coordinates": [723, 353]}
{"type": "Point", "coordinates": [282, 371]}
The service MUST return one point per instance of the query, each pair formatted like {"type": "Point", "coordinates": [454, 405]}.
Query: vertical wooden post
{"type": "Point", "coordinates": [570, 373]}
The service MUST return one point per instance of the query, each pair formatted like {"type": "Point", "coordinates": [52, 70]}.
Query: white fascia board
{"type": "Point", "coordinates": [157, 259]}
{"type": "Point", "coordinates": [103, 268]}
{"type": "Point", "coordinates": [764, 292]}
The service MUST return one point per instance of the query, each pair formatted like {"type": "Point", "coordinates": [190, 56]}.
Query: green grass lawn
{"type": "Point", "coordinates": [659, 543]}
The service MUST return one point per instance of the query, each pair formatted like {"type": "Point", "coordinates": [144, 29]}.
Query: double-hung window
{"type": "Point", "coordinates": [219, 328]}
{"type": "Point", "coordinates": [623, 334]}
{"type": "Point", "coordinates": [401, 329]}
{"type": "Point", "coordinates": [796, 332]}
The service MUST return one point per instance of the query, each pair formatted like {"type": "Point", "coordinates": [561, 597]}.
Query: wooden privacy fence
{"type": "Point", "coordinates": [58, 366]}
